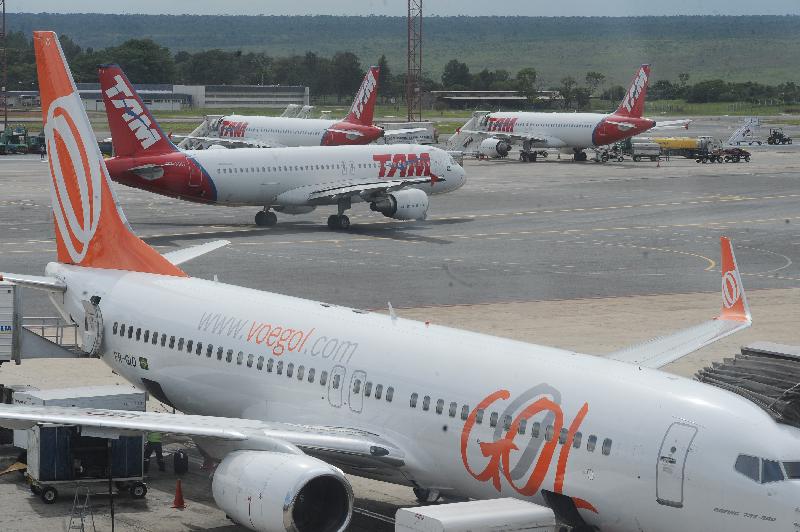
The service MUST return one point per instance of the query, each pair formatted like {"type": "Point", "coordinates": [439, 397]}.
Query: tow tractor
{"type": "Point", "coordinates": [777, 136]}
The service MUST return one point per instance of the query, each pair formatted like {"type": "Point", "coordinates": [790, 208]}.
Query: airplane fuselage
{"type": "Point", "coordinates": [293, 132]}
{"type": "Point", "coordinates": [634, 449]}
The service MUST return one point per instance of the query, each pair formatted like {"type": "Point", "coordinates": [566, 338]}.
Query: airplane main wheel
{"type": "Point", "coordinates": [266, 218]}
{"type": "Point", "coordinates": [338, 222]}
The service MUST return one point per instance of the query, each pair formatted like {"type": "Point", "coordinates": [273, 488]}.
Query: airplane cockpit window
{"type": "Point", "coordinates": [771, 471]}
{"type": "Point", "coordinates": [748, 466]}
{"type": "Point", "coordinates": [792, 470]}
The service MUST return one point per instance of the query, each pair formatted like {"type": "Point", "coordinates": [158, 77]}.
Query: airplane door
{"type": "Point", "coordinates": [336, 386]}
{"type": "Point", "coordinates": [357, 382]}
{"type": "Point", "coordinates": [672, 463]}
{"type": "Point", "coordinates": [195, 177]}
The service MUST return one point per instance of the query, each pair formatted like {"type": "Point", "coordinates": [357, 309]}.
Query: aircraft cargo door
{"type": "Point", "coordinates": [672, 463]}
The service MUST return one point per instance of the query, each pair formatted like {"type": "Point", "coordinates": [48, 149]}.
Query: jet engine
{"type": "Point", "coordinates": [494, 148]}
{"type": "Point", "coordinates": [274, 492]}
{"type": "Point", "coordinates": [410, 204]}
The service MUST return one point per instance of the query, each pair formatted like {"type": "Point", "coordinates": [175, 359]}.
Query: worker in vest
{"type": "Point", "coordinates": [153, 444]}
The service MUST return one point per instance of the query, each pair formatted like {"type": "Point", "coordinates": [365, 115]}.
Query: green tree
{"type": "Point", "coordinates": [347, 74]}
{"type": "Point", "coordinates": [456, 75]}
{"type": "Point", "coordinates": [594, 80]}
{"type": "Point", "coordinates": [567, 91]}
{"type": "Point", "coordinates": [385, 86]}
{"type": "Point", "coordinates": [143, 60]}
{"type": "Point", "coordinates": [526, 83]}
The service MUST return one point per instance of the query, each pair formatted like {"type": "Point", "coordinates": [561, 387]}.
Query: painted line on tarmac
{"type": "Point", "coordinates": [373, 515]}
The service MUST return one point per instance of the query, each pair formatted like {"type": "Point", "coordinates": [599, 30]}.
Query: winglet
{"type": "Point", "coordinates": [91, 230]}
{"type": "Point", "coordinates": [734, 301]}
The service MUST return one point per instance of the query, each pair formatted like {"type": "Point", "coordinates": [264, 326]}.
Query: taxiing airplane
{"type": "Point", "coordinates": [394, 180]}
{"type": "Point", "coordinates": [288, 393]}
{"type": "Point", "coordinates": [286, 131]}
{"type": "Point", "coordinates": [492, 134]}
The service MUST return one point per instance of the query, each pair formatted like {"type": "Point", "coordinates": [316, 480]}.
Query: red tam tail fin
{"type": "Point", "coordinates": [363, 108]}
{"type": "Point", "coordinates": [633, 103]}
{"type": "Point", "coordinates": [133, 129]}
{"type": "Point", "coordinates": [91, 230]}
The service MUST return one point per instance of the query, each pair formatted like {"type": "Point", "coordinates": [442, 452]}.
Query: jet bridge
{"type": "Point", "coordinates": [767, 374]}
{"type": "Point", "coordinates": [32, 337]}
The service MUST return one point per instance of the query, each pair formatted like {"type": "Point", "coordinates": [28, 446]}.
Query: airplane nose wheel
{"type": "Point", "coordinates": [266, 218]}
{"type": "Point", "coordinates": [338, 221]}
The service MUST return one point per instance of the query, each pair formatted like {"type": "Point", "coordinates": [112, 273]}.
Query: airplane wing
{"type": "Point", "coordinates": [367, 190]}
{"type": "Point", "coordinates": [401, 132]}
{"type": "Point", "coordinates": [278, 437]}
{"type": "Point", "coordinates": [734, 317]}
{"type": "Point", "coordinates": [235, 142]}
{"type": "Point", "coordinates": [179, 256]}
{"type": "Point", "coordinates": [511, 137]}
{"type": "Point", "coordinates": [673, 124]}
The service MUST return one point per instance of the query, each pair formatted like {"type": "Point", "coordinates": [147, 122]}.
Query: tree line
{"type": "Point", "coordinates": [145, 61]}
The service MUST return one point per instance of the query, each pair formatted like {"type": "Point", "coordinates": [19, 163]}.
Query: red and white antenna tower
{"type": "Point", "coordinates": [413, 91]}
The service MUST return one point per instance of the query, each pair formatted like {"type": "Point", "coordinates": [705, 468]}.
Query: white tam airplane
{"type": "Point", "coordinates": [394, 180]}
{"type": "Point", "coordinates": [288, 393]}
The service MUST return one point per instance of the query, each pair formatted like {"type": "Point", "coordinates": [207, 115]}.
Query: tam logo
{"type": "Point", "coordinates": [635, 91]}
{"type": "Point", "coordinates": [5, 328]}
{"type": "Point", "coordinates": [408, 165]}
{"type": "Point", "coordinates": [229, 128]}
{"type": "Point", "coordinates": [503, 125]}
{"type": "Point", "coordinates": [122, 97]}
{"type": "Point", "coordinates": [364, 94]}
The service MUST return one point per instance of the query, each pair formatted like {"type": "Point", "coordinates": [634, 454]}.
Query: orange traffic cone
{"type": "Point", "coordinates": [179, 503]}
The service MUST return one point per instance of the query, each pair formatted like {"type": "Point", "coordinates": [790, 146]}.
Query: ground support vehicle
{"type": "Point", "coordinates": [778, 137]}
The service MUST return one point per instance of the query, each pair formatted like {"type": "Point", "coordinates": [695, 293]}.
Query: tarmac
{"type": "Point", "coordinates": [585, 256]}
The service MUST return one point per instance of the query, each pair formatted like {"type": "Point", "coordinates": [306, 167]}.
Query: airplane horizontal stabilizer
{"type": "Point", "coordinates": [39, 282]}
{"type": "Point", "coordinates": [179, 256]}
{"type": "Point", "coordinates": [734, 317]}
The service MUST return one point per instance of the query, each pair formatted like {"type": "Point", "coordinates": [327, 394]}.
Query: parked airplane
{"type": "Point", "coordinates": [494, 133]}
{"type": "Point", "coordinates": [291, 131]}
{"type": "Point", "coordinates": [394, 180]}
{"type": "Point", "coordinates": [288, 393]}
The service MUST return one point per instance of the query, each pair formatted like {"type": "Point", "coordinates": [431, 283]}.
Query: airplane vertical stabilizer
{"type": "Point", "coordinates": [363, 108]}
{"type": "Point", "coordinates": [633, 103]}
{"type": "Point", "coordinates": [90, 229]}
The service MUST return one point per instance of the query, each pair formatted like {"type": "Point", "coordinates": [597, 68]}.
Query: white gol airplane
{"type": "Point", "coordinates": [288, 393]}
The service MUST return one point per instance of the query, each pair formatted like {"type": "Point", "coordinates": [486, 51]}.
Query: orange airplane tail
{"type": "Point", "coordinates": [91, 230]}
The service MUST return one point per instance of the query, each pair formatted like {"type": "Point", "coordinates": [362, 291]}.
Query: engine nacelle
{"type": "Point", "coordinates": [494, 148]}
{"type": "Point", "coordinates": [409, 204]}
{"type": "Point", "coordinates": [295, 209]}
{"type": "Point", "coordinates": [276, 492]}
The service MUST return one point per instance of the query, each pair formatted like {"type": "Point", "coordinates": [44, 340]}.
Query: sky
{"type": "Point", "coordinates": [430, 7]}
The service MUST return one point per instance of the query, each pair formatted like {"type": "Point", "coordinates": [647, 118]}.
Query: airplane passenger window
{"type": "Point", "coordinates": [336, 379]}
{"type": "Point", "coordinates": [367, 389]}
{"type": "Point", "coordinates": [122, 330]}
{"type": "Point", "coordinates": [389, 394]}
{"type": "Point", "coordinates": [792, 470]}
{"type": "Point", "coordinates": [452, 411]}
{"type": "Point", "coordinates": [180, 344]}
{"type": "Point", "coordinates": [289, 369]}
{"type": "Point", "coordinates": [378, 391]}
{"type": "Point", "coordinates": [164, 340]}
{"type": "Point", "coordinates": [209, 350]}
{"type": "Point", "coordinates": [493, 419]}
{"type": "Point", "coordinates": [426, 403]}
{"type": "Point", "coordinates": [130, 333]}
{"type": "Point", "coordinates": [270, 363]}
{"type": "Point", "coordinates": [606, 447]}
{"type": "Point", "coordinates": [591, 443]}
{"type": "Point", "coordinates": [301, 370]}
{"type": "Point", "coordinates": [535, 429]}
{"type": "Point", "coordinates": [323, 378]}
{"type": "Point", "coordinates": [506, 422]}
{"type": "Point", "coordinates": [229, 356]}
{"type": "Point", "coordinates": [562, 438]}
{"type": "Point", "coordinates": [464, 412]}
{"type": "Point", "coordinates": [138, 333]}
{"type": "Point", "coordinates": [220, 351]}
{"type": "Point", "coordinates": [576, 441]}
{"type": "Point", "coordinates": [260, 363]}
{"type": "Point", "coordinates": [439, 406]}
{"type": "Point", "coordinates": [239, 358]}
{"type": "Point", "coordinates": [311, 375]}
{"type": "Point", "coordinates": [189, 344]}
{"type": "Point", "coordinates": [549, 432]}
{"type": "Point", "coordinates": [115, 328]}
{"type": "Point", "coordinates": [279, 368]}
{"type": "Point", "coordinates": [199, 349]}
{"type": "Point", "coordinates": [172, 342]}
{"type": "Point", "coordinates": [147, 336]}
{"type": "Point", "coordinates": [413, 402]}
{"type": "Point", "coordinates": [522, 424]}
{"type": "Point", "coordinates": [357, 386]}
{"type": "Point", "coordinates": [771, 471]}
{"type": "Point", "coordinates": [479, 416]}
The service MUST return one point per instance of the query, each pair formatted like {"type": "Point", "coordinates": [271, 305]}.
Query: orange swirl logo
{"type": "Point", "coordinates": [731, 289]}
{"type": "Point", "coordinates": [76, 180]}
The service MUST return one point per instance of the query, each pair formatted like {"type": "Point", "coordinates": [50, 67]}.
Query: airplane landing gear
{"type": "Point", "coordinates": [266, 218]}
{"type": "Point", "coordinates": [580, 156]}
{"type": "Point", "coordinates": [528, 157]}
{"type": "Point", "coordinates": [338, 221]}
